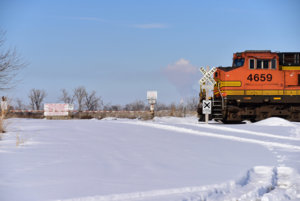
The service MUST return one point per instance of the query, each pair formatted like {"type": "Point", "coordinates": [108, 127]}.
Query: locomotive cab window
{"type": "Point", "coordinates": [238, 62]}
{"type": "Point", "coordinates": [258, 64]}
{"type": "Point", "coordinates": [265, 64]}
{"type": "Point", "coordinates": [273, 66]}
{"type": "Point", "coordinates": [262, 64]}
{"type": "Point", "coordinates": [251, 63]}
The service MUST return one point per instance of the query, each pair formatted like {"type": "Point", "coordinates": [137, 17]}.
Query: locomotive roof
{"type": "Point", "coordinates": [288, 52]}
{"type": "Point", "coordinates": [267, 51]}
{"type": "Point", "coordinates": [258, 51]}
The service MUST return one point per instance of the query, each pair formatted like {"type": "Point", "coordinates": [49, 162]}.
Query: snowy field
{"type": "Point", "coordinates": [167, 159]}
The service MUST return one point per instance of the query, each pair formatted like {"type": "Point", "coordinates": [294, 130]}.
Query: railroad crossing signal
{"type": "Point", "coordinates": [206, 107]}
{"type": "Point", "coordinates": [207, 76]}
{"type": "Point", "coordinates": [209, 85]}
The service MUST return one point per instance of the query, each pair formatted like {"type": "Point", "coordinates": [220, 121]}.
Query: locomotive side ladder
{"type": "Point", "coordinates": [217, 110]}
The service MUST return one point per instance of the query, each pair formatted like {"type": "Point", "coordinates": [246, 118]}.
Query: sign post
{"type": "Point", "coordinates": [152, 97]}
{"type": "Point", "coordinates": [4, 107]}
{"type": "Point", "coordinates": [207, 83]}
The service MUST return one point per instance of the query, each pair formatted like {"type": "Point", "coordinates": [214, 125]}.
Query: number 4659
{"type": "Point", "coordinates": [259, 77]}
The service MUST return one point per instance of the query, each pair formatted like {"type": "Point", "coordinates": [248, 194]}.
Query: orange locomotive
{"type": "Point", "coordinates": [260, 84]}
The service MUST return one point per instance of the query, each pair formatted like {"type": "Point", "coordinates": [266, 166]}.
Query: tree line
{"type": "Point", "coordinates": [85, 100]}
{"type": "Point", "coordinates": [80, 97]}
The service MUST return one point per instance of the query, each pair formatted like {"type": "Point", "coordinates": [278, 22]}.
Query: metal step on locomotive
{"type": "Point", "coordinates": [259, 84]}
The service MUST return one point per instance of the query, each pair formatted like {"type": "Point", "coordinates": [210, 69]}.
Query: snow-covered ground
{"type": "Point", "coordinates": [165, 159]}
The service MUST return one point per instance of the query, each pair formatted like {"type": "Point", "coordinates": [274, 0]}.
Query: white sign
{"type": "Point", "coordinates": [206, 107]}
{"type": "Point", "coordinates": [152, 97]}
{"type": "Point", "coordinates": [57, 109]}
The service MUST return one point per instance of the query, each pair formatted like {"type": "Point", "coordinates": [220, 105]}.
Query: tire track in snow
{"type": "Point", "coordinates": [150, 194]}
{"type": "Point", "coordinates": [236, 130]}
{"type": "Point", "coordinates": [258, 182]}
{"type": "Point", "coordinates": [214, 135]}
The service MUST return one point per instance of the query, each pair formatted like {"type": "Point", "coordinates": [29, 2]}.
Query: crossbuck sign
{"type": "Point", "coordinates": [207, 76]}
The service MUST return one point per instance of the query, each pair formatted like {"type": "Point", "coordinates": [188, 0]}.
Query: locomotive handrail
{"type": "Point", "coordinates": [218, 85]}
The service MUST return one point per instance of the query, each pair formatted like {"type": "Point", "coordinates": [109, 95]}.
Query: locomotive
{"type": "Point", "coordinates": [258, 85]}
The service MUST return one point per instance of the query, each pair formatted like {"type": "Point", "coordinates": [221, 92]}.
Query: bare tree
{"type": "Point", "coordinates": [65, 97]}
{"type": "Point", "coordinates": [19, 104]}
{"type": "Point", "coordinates": [116, 107]}
{"type": "Point", "coordinates": [92, 102]}
{"type": "Point", "coordinates": [192, 103]}
{"type": "Point", "coordinates": [36, 98]}
{"type": "Point", "coordinates": [79, 95]}
{"type": "Point", "coordinates": [107, 107]}
{"type": "Point", "coordinates": [10, 63]}
{"type": "Point", "coordinates": [110, 107]}
{"type": "Point", "coordinates": [161, 106]}
{"type": "Point", "coordinates": [135, 106]}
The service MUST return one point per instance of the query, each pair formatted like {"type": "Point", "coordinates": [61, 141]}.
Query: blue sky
{"type": "Point", "coordinates": [121, 49]}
